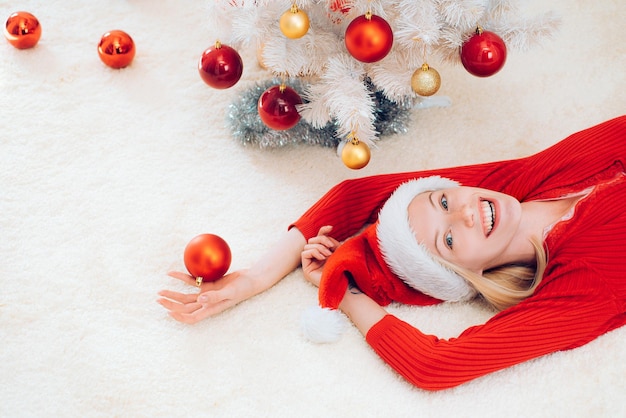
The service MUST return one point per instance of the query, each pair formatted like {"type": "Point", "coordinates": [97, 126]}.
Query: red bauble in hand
{"type": "Point", "coordinates": [22, 30]}
{"type": "Point", "coordinates": [220, 66]}
{"type": "Point", "coordinates": [369, 38]}
{"type": "Point", "coordinates": [484, 54]}
{"type": "Point", "coordinates": [277, 107]}
{"type": "Point", "coordinates": [116, 49]}
{"type": "Point", "coordinates": [207, 257]}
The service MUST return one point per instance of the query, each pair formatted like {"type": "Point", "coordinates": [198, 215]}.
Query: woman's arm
{"type": "Point", "coordinates": [529, 330]}
{"type": "Point", "coordinates": [282, 258]}
{"type": "Point", "coordinates": [347, 207]}
{"type": "Point", "coordinates": [508, 339]}
{"type": "Point", "coordinates": [361, 309]}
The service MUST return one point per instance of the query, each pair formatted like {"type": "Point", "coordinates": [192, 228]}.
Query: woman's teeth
{"type": "Point", "coordinates": [488, 215]}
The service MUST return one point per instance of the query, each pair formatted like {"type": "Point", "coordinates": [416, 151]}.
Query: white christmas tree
{"type": "Point", "coordinates": [338, 86]}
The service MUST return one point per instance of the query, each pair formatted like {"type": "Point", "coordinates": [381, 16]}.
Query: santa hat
{"type": "Point", "coordinates": [387, 263]}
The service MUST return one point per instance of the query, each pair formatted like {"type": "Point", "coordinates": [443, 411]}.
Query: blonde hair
{"type": "Point", "coordinates": [507, 285]}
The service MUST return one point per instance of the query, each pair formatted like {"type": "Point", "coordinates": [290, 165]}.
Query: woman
{"type": "Point", "coordinates": [580, 295]}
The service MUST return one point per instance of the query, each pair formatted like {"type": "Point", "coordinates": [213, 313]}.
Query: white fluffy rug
{"type": "Point", "coordinates": [105, 175]}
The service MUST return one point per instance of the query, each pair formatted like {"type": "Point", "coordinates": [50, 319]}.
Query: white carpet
{"type": "Point", "coordinates": [105, 176]}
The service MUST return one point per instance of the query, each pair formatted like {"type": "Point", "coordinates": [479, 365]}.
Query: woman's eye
{"type": "Point", "coordinates": [448, 239]}
{"type": "Point", "coordinates": [444, 202]}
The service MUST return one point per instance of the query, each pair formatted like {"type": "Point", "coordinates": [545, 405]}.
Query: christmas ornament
{"type": "Point", "coordinates": [369, 38]}
{"type": "Point", "coordinates": [220, 66]}
{"type": "Point", "coordinates": [425, 81]}
{"type": "Point", "coordinates": [277, 107]}
{"type": "Point", "coordinates": [207, 257]}
{"type": "Point", "coordinates": [116, 49]}
{"type": "Point", "coordinates": [246, 127]}
{"type": "Point", "coordinates": [484, 54]}
{"type": "Point", "coordinates": [355, 154]}
{"type": "Point", "coordinates": [22, 30]}
{"type": "Point", "coordinates": [294, 23]}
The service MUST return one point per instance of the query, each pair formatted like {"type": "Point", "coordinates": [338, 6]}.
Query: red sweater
{"type": "Point", "coordinates": [583, 292]}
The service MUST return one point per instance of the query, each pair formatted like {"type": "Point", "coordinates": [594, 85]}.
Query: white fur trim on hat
{"type": "Point", "coordinates": [407, 258]}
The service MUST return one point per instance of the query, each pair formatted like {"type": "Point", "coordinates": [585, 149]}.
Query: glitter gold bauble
{"type": "Point", "coordinates": [425, 81]}
{"type": "Point", "coordinates": [294, 23]}
{"type": "Point", "coordinates": [22, 30]}
{"type": "Point", "coordinates": [355, 154]}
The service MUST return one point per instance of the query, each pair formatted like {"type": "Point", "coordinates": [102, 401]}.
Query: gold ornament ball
{"type": "Point", "coordinates": [355, 154]}
{"type": "Point", "coordinates": [425, 81]}
{"type": "Point", "coordinates": [294, 23]}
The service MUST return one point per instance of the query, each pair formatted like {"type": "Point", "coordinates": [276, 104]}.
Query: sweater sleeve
{"type": "Point", "coordinates": [353, 203]}
{"type": "Point", "coordinates": [545, 323]}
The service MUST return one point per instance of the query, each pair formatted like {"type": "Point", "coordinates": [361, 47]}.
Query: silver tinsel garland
{"type": "Point", "coordinates": [246, 125]}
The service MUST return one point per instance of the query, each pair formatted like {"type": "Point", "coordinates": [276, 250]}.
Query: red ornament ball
{"type": "Point", "coordinates": [22, 30]}
{"type": "Point", "coordinates": [220, 66]}
{"type": "Point", "coordinates": [277, 107]}
{"type": "Point", "coordinates": [369, 38]}
{"type": "Point", "coordinates": [116, 49]}
{"type": "Point", "coordinates": [207, 256]}
{"type": "Point", "coordinates": [484, 54]}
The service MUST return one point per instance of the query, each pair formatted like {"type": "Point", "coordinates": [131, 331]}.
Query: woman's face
{"type": "Point", "coordinates": [467, 226]}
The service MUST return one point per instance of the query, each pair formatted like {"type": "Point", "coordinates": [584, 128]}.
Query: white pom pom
{"type": "Point", "coordinates": [322, 325]}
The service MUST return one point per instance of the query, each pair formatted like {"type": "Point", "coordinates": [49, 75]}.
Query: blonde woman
{"type": "Point", "coordinates": [540, 238]}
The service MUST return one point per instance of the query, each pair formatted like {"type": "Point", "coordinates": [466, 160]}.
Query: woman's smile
{"type": "Point", "coordinates": [487, 212]}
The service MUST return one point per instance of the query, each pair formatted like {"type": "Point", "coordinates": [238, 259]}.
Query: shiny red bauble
{"type": "Point", "coordinates": [220, 66]}
{"type": "Point", "coordinates": [207, 256]}
{"type": "Point", "coordinates": [22, 30]}
{"type": "Point", "coordinates": [277, 107]}
{"type": "Point", "coordinates": [116, 49]}
{"type": "Point", "coordinates": [484, 54]}
{"type": "Point", "coordinates": [369, 38]}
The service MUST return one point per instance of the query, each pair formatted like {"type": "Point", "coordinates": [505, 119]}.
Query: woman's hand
{"type": "Point", "coordinates": [213, 298]}
{"type": "Point", "coordinates": [315, 253]}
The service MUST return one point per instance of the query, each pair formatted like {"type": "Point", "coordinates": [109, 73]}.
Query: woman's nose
{"type": "Point", "coordinates": [466, 215]}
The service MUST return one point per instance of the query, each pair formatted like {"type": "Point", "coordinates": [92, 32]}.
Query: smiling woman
{"type": "Point", "coordinates": [562, 204]}
{"type": "Point", "coordinates": [497, 255]}
{"type": "Point", "coordinates": [426, 239]}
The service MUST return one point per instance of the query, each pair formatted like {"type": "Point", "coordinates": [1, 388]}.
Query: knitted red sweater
{"type": "Point", "coordinates": [583, 293]}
